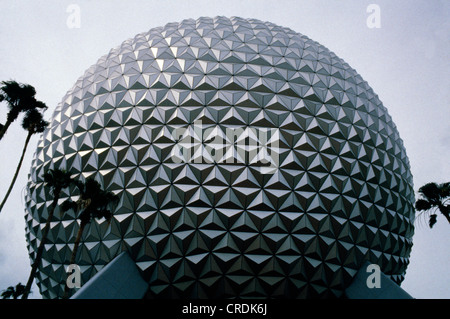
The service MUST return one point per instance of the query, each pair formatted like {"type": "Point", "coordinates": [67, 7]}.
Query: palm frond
{"type": "Point", "coordinates": [68, 205]}
{"type": "Point", "coordinates": [13, 291]}
{"type": "Point", "coordinates": [20, 97]}
{"type": "Point", "coordinates": [422, 204]}
{"type": "Point", "coordinates": [434, 197]}
{"type": "Point", "coordinates": [432, 220]}
{"type": "Point", "coordinates": [445, 190]}
{"type": "Point", "coordinates": [430, 192]}
{"type": "Point", "coordinates": [33, 121]}
{"type": "Point", "coordinates": [12, 92]}
{"type": "Point", "coordinates": [8, 293]}
{"type": "Point", "coordinates": [40, 105]}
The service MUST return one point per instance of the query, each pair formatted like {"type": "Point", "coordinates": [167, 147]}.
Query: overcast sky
{"type": "Point", "coordinates": [405, 61]}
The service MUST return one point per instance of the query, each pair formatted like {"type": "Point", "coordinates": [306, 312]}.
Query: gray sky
{"type": "Point", "coordinates": [405, 61]}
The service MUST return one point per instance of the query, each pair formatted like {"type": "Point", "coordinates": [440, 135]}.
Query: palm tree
{"type": "Point", "coordinates": [33, 123]}
{"type": "Point", "coordinates": [434, 197]}
{"type": "Point", "coordinates": [20, 98]}
{"type": "Point", "coordinates": [57, 180]}
{"type": "Point", "coordinates": [13, 292]}
{"type": "Point", "coordinates": [93, 203]}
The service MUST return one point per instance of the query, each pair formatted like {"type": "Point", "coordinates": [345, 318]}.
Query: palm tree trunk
{"type": "Point", "coordinates": [17, 170]}
{"type": "Point", "coordinates": [74, 254]}
{"type": "Point", "coordinates": [40, 250]}
{"type": "Point", "coordinates": [4, 128]}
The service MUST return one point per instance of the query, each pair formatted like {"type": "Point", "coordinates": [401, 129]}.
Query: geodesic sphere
{"type": "Point", "coordinates": [312, 181]}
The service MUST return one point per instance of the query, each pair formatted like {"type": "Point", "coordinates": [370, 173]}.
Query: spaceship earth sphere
{"type": "Point", "coordinates": [250, 161]}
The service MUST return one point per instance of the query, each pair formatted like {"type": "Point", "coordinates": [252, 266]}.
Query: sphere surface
{"type": "Point", "coordinates": [201, 214]}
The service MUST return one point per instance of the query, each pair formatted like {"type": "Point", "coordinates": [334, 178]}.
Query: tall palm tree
{"type": "Point", "coordinates": [56, 180]}
{"type": "Point", "coordinates": [13, 292]}
{"type": "Point", "coordinates": [33, 123]}
{"type": "Point", "coordinates": [20, 98]}
{"type": "Point", "coordinates": [434, 197]}
{"type": "Point", "coordinates": [92, 203]}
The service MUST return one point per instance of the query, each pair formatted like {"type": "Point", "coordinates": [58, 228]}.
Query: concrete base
{"type": "Point", "coordinates": [120, 279]}
{"type": "Point", "coordinates": [387, 289]}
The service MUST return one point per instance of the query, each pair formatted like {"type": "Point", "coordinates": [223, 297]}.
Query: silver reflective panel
{"type": "Point", "coordinates": [250, 161]}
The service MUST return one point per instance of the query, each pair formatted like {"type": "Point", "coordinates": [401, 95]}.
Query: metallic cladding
{"type": "Point", "coordinates": [341, 192]}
